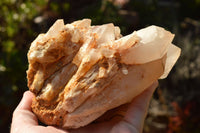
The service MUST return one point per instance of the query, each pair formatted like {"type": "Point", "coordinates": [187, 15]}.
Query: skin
{"type": "Point", "coordinates": [25, 121]}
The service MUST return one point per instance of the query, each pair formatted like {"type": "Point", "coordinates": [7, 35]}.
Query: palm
{"type": "Point", "coordinates": [127, 118]}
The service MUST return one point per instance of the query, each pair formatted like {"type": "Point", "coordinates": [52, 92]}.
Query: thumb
{"type": "Point", "coordinates": [136, 113]}
{"type": "Point", "coordinates": [23, 116]}
{"type": "Point", "coordinates": [138, 109]}
{"type": "Point", "coordinates": [25, 103]}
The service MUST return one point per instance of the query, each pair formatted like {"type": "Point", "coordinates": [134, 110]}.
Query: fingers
{"type": "Point", "coordinates": [137, 111]}
{"type": "Point", "coordinates": [23, 116]}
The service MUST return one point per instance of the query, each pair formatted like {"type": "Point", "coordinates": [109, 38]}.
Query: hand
{"type": "Point", "coordinates": [25, 121]}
